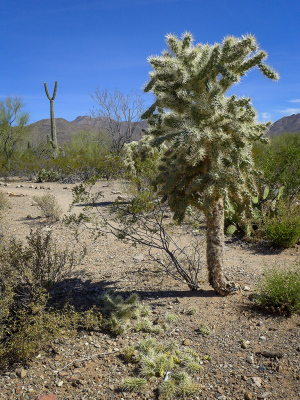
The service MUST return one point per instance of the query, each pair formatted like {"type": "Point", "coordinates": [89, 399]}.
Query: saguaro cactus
{"type": "Point", "coordinates": [53, 139]}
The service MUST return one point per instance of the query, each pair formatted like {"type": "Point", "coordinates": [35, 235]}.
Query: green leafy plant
{"type": "Point", "coordinates": [279, 162]}
{"type": "Point", "coordinates": [47, 176]}
{"type": "Point", "coordinates": [49, 206]}
{"type": "Point", "coordinates": [283, 227]}
{"type": "Point", "coordinates": [279, 290]}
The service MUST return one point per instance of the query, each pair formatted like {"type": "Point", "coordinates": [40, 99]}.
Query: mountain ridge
{"type": "Point", "coordinates": [290, 124]}
{"type": "Point", "coordinates": [65, 129]}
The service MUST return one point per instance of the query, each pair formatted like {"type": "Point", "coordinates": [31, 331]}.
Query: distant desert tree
{"type": "Point", "coordinates": [209, 135]}
{"type": "Point", "coordinates": [121, 112]}
{"type": "Point", "coordinates": [13, 121]}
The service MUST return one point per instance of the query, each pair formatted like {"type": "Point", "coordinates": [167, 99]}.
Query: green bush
{"type": "Point", "coordinates": [49, 206]}
{"type": "Point", "coordinates": [279, 291]}
{"type": "Point", "coordinates": [279, 162]}
{"type": "Point", "coordinates": [283, 228]}
{"type": "Point", "coordinates": [47, 176]}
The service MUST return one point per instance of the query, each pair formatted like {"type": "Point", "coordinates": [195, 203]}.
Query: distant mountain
{"type": "Point", "coordinates": [289, 124]}
{"type": "Point", "coordinates": [65, 129]}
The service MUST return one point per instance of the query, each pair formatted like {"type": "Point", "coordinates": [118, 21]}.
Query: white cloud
{"type": "Point", "coordinates": [295, 101]}
{"type": "Point", "coordinates": [266, 115]}
{"type": "Point", "coordinates": [290, 111]}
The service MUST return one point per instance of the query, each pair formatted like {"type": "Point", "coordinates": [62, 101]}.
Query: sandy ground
{"type": "Point", "coordinates": [233, 372]}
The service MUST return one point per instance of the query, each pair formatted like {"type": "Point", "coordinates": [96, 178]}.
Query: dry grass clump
{"type": "Point", "coordinates": [49, 206]}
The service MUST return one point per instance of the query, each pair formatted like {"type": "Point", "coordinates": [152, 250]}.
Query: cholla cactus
{"type": "Point", "coordinates": [209, 136]}
{"type": "Point", "coordinates": [164, 360]}
{"type": "Point", "coordinates": [141, 162]}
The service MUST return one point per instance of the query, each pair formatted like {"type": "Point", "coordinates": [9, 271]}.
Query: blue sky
{"type": "Point", "coordinates": [85, 43]}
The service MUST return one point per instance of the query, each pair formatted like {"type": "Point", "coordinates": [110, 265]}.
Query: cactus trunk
{"type": "Point", "coordinates": [53, 127]}
{"type": "Point", "coordinates": [215, 249]}
{"type": "Point", "coordinates": [53, 139]}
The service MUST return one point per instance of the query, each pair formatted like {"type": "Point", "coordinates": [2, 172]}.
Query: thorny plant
{"type": "Point", "coordinates": [139, 228]}
{"type": "Point", "coordinates": [130, 314]}
{"type": "Point", "coordinates": [163, 360]}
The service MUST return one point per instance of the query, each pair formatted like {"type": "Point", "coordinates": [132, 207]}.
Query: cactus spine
{"type": "Point", "coordinates": [53, 139]}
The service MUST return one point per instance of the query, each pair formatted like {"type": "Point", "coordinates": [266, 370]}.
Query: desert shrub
{"type": "Point", "coordinates": [4, 203]}
{"type": "Point", "coordinates": [47, 176]}
{"type": "Point", "coordinates": [279, 290]}
{"type": "Point", "coordinates": [282, 228]}
{"type": "Point", "coordinates": [27, 275]}
{"type": "Point", "coordinates": [279, 162]}
{"type": "Point", "coordinates": [32, 328]}
{"type": "Point", "coordinates": [37, 264]}
{"type": "Point", "coordinates": [49, 206]}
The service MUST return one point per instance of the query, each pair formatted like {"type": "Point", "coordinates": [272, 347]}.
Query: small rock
{"type": "Point", "coordinates": [247, 288]}
{"type": "Point", "coordinates": [21, 373]}
{"type": "Point", "coordinates": [245, 344]}
{"type": "Point", "coordinates": [29, 216]}
{"type": "Point", "coordinates": [250, 359]}
{"type": "Point", "coordinates": [63, 373]}
{"type": "Point", "coordinates": [77, 364]}
{"type": "Point", "coordinates": [264, 395]}
{"type": "Point", "coordinates": [47, 397]}
{"type": "Point", "coordinates": [18, 389]}
{"type": "Point", "coordinates": [256, 380]}
{"type": "Point", "coordinates": [261, 368]}
{"type": "Point", "coordinates": [262, 338]}
{"type": "Point", "coordinates": [59, 383]}
{"type": "Point", "coordinates": [186, 342]}
{"type": "Point", "coordinates": [248, 395]}
{"type": "Point", "coordinates": [260, 323]}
